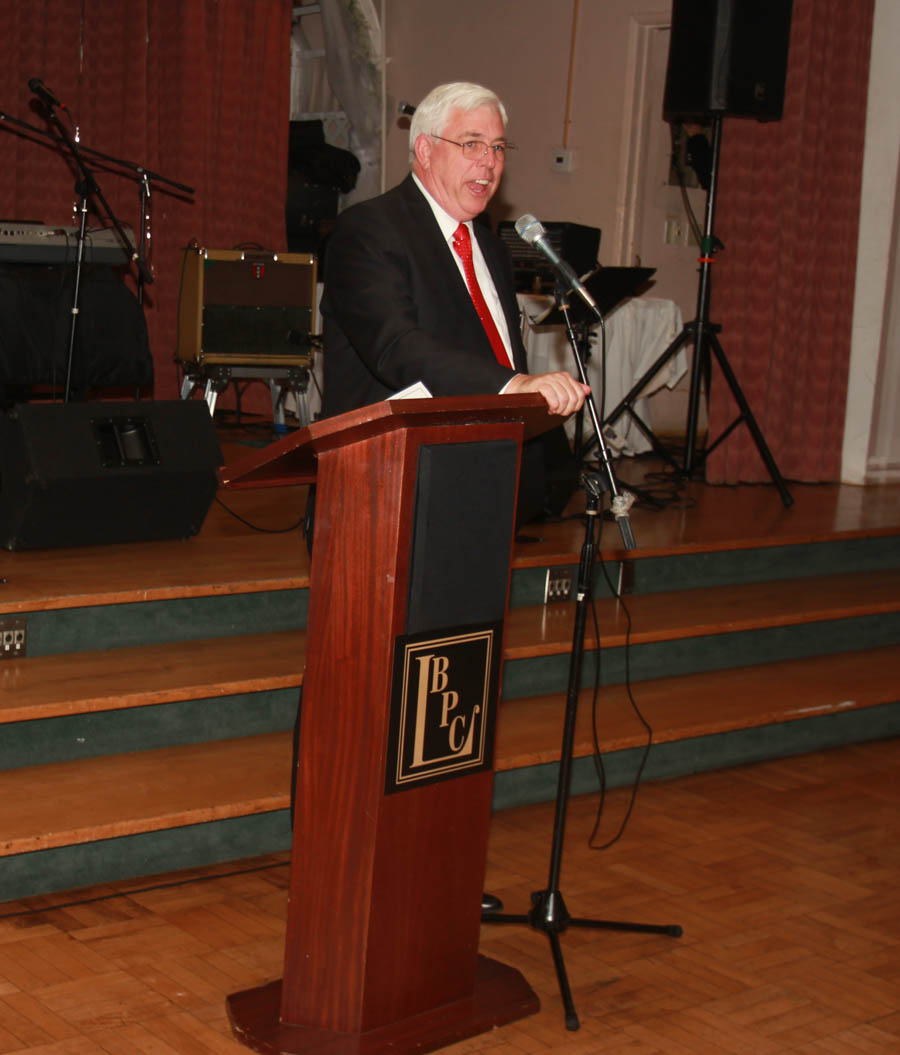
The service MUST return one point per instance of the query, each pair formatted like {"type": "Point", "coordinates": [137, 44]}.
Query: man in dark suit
{"type": "Point", "coordinates": [398, 305]}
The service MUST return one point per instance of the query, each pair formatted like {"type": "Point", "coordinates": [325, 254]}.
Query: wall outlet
{"type": "Point", "coordinates": [558, 585]}
{"type": "Point", "coordinates": [12, 636]}
{"type": "Point", "coordinates": [676, 230]}
{"type": "Point", "coordinates": [563, 159]}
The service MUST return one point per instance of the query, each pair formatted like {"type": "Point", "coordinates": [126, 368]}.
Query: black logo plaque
{"type": "Point", "coordinates": [442, 705]}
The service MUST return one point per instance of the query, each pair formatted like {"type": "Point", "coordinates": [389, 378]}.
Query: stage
{"type": "Point", "coordinates": [160, 680]}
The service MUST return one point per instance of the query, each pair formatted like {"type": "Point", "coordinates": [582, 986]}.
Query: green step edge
{"type": "Point", "coordinates": [159, 853]}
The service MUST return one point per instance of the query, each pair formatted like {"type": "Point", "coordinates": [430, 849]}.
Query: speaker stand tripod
{"type": "Point", "coordinates": [704, 336]}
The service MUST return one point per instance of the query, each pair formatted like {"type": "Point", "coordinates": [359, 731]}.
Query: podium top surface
{"type": "Point", "coordinates": [292, 460]}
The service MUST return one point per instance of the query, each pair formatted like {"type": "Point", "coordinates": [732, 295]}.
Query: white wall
{"type": "Point", "coordinates": [529, 52]}
{"type": "Point", "coordinates": [521, 49]}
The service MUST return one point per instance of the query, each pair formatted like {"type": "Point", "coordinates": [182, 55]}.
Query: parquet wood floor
{"type": "Point", "coordinates": [784, 876]}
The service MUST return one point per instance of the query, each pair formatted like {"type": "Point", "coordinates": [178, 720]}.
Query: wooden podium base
{"type": "Point", "coordinates": [501, 996]}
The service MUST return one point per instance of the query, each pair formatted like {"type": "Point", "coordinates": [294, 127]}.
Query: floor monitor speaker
{"type": "Point", "coordinates": [727, 58]}
{"type": "Point", "coordinates": [79, 474]}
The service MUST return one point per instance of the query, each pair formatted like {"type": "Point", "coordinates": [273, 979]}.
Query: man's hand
{"type": "Point", "coordinates": [562, 393]}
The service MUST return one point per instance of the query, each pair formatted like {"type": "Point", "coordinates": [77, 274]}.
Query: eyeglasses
{"type": "Point", "coordinates": [475, 149]}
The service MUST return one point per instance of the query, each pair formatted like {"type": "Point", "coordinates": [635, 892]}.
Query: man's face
{"type": "Point", "coordinates": [462, 187]}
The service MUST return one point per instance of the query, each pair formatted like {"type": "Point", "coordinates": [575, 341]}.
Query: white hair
{"type": "Point", "coordinates": [433, 112]}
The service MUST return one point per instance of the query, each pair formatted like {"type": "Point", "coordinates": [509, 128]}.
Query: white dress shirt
{"type": "Point", "coordinates": [448, 228]}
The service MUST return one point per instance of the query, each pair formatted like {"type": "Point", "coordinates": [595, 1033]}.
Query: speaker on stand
{"type": "Point", "coordinates": [727, 58]}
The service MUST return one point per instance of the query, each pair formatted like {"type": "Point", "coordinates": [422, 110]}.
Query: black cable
{"type": "Point", "coordinates": [256, 527]}
{"type": "Point", "coordinates": [179, 362]}
{"type": "Point", "coordinates": [602, 408]}
{"type": "Point", "coordinates": [679, 172]}
{"type": "Point", "coordinates": [598, 754]}
{"type": "Point", "coordinates": [316, 345]}
{"type": "Point", "coordinates": [661, 489]}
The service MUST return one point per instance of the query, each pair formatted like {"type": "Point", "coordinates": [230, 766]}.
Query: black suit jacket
{"type": "Point", "coordinates": [396, 309]}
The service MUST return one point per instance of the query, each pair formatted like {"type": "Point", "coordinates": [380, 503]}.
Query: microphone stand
{"type": "Point", "coordinates": [86, 187]}
{"type": "Point", "coordinates": [142, 235]}
{"type": "Point", "coordinates": [140, 170]}
{"type": "Point", "coordinates": [619, 503]}
{"type": "Point", "coordinates": [549, 913]}
{"type": "Point", "coordinates": [583, 330]}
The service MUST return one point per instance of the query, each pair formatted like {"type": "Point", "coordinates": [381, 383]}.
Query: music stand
{"type": "Point", "coordinates": [609, 286]}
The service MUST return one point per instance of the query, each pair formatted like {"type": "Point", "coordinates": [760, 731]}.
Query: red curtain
{"type": "Point", "coordinates": [788, 214]}
{"type": "Point", "coordinates": [197, 91]}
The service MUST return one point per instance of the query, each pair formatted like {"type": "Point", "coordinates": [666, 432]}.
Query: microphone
{"type": "Point", "coordinates": [41, 90]}
{"type": "Point", "coordinates": [405, 108]}
{"type": "Point", "coordinates": [532, 231]}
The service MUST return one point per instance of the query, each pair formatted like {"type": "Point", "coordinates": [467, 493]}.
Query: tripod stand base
{"type": "Point", "coordinates": [551, 916]}
{"type": "Point", "coordinates": [702, 333]}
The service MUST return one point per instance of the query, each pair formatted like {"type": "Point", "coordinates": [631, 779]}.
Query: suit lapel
{"type": "Point", "coordinates": [434, 259]}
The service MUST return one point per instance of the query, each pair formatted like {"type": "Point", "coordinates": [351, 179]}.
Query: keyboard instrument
{"type": "Point", "coordinates": [31, 242]}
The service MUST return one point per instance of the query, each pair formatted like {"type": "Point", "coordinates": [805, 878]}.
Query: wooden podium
{"type": "Point", "coordinates": [408, 592]}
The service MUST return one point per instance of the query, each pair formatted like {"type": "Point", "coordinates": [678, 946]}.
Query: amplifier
{"type": "Point", "coordinates": [576, 244]}
{"type": "Point", "coordinates": [246, 307]}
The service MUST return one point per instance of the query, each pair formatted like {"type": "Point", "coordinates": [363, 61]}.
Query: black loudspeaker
{"type": "Point", "coordinates": [81, 474]}
{"type": "Point", "coordinates": [727, 58]}
{"type": "Point", "coordinates": [459, 560]}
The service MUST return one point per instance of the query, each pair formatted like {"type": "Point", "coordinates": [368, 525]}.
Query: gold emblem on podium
{"type": "Point", "coordinates": [442, 706]}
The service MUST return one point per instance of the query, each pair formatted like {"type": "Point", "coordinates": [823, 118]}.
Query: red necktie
{"type": "Point", "coordinates": [462, 243]}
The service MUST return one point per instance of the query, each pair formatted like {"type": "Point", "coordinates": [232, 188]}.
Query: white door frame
{"type": "Point", "coordinates": [633, 149]}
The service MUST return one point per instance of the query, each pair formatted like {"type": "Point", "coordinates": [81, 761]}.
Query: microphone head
{"type": "Point", "coordinates": [35, 84]}
{"type": "Point", "coordinates": [529, 229]}
{"type": "Point", "coordinates": [405, 108]}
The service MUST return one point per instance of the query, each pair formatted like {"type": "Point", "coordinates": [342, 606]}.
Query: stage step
{"type": "Point", "coordinates": [547, 629]}
{"type": "Point", "coordinates": [149, 727]}
{"type": "Point", "coordinates": [120, 678]}
{"type": "Point", "coordinates": [95, 800]}
{"type": "Point", "coordinates": [59, 708]}
{"type": "Point", "coordinates": [696, 705]}
{"type": "Point", "coordinates": [143, 791]}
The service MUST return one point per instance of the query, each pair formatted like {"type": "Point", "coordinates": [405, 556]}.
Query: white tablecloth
{"type": "Point", "coordinates": [638, 331]}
